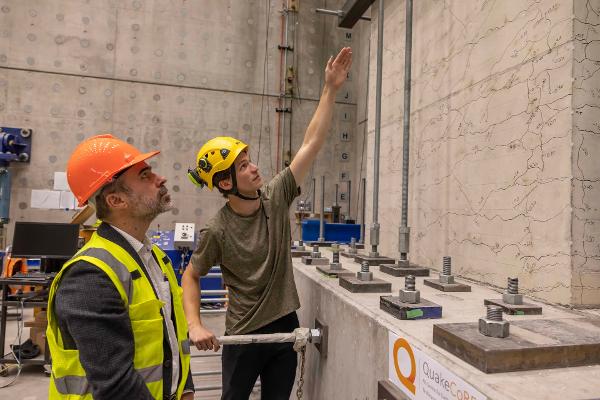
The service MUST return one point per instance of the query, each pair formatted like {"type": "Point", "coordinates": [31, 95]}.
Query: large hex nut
{"type": "Point", "coordinates": [352, 250]}
{"type": "Point", "coordinates": [335, 265]}
{"type": "Point", "coordinates": [315, 254]}
{"type": "Point", "coordinates": [410, 296]}
{"type": "Point", "coordinates": [498, 329]}
{"type": "Point", "coordinates": [447, 279]}
{"type": "Point", "coordinates": [514, 299]}
{"type": "Point", "coordinates": [364, 276]}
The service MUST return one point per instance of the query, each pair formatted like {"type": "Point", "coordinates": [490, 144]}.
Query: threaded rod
{"type": "Point", "coordinates": [364, 266]}
{"type": "Point", "coordinates": [513, 285]}
{"type": "Point", "coordinates": [447, 265]}
{"type": "Point", "coordinates": [494, 313]}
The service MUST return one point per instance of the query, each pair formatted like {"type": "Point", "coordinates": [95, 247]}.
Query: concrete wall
{"type": "Point", "coordinates": [501, 173]}
{"type": "Point", "coordinates": [586, 147]}
{"type": "Point", "coordinates": [357, 345]}
{"type": "Point", "coordinates": [168, 75]}
{"type": "Point", "coordinates": [503, 139]}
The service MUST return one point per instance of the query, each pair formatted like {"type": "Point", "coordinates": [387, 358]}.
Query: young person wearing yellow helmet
{"type": "Point", "coordinates": [249, 238]}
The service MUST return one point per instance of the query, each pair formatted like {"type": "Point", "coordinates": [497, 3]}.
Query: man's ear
{"type": "Point", "coordinates": [116, 200]}
{"type": "Point", "coordinates": [226, 184]}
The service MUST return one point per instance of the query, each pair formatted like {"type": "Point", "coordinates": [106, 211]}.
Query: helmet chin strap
{"type": "Point", "coordinates": [241, 196]}
{"type": "Point", "coordinates": [235, 190]}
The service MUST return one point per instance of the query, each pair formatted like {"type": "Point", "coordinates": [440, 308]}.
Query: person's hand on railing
{"type": "Point", "coordinates": [203, 338]}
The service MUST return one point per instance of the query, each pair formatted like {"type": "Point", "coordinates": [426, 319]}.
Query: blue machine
{"type": "Point", "coordinates": [15, 145]}
{"type": "Point", "coordinates": [341, 233]}
{"type": "Point", "coordinates": [180, 259]}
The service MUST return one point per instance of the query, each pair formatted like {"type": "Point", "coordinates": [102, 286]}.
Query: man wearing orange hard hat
{"type": "Point", "coordinates": [116, 326]}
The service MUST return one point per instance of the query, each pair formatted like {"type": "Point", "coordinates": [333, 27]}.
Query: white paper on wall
{"type": "Point", "coordinates": [67, 200]}
{"type": "Point", "coordinates": [60, 181]}
{"type": "Point", "coordinates": [49, 199]}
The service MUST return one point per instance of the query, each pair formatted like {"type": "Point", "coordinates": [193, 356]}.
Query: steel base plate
{"type": "Point", "coordinates": [515, 309]}
{"type": "Point", "coordinates": [355, 285]}
{"type": "Point", "coordinates": [322, 347]}
{"type": "Point", "coordinates": [325, 243]}
{"type": "Point", "coordinates": [425, 309]}
{"type": "Point", "coordinates": [447, 287]}
{"type": "Point", "coordinates": [315, 261]}
{"type": "Point", "coordinates": [401, 270]}
{"type": "Point", "coordinates": [359, 258]}
{"type": "Point", "coordinates": [348, 255]}
{"type": "Point", "coordinates": [300, 253]}
{"type": "Point", "coordinates": [359, 246]}
{"type": "Point", "coordinates": [533, 344]}
{"type": "Point", "coordinates": [333, 272]}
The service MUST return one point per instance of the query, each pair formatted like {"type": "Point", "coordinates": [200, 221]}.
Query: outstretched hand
{"type": "Point", "coordinates": [337, 69]}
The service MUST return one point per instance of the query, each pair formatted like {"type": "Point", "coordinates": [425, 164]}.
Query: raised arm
{"type": "Point", "coordinates": [336, 72]}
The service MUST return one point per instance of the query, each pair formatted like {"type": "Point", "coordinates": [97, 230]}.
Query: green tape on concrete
{"type": "Point", "coordinates": [519, 312]}
{"type": "Point", "coordinates": [416, 313]}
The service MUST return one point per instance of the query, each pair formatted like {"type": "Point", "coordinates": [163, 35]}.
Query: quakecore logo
{"type": "Point", "coordinates": [445, 384]}
{"type": "Point", "coordinates": [407, 381]}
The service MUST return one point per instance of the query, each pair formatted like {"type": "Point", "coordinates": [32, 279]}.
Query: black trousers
{"type": "Point", "coordinates": [275, 363]}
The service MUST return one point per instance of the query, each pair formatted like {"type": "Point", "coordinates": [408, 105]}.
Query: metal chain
{"type": "Point", "coordinates": [301, 380]}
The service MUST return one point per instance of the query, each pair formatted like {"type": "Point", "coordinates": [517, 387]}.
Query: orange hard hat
{"type": "Point", "coordinates": [96, 161]}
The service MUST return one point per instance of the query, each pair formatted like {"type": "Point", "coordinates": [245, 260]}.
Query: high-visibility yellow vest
{"type": "Point", "coordinates": [68, 380]}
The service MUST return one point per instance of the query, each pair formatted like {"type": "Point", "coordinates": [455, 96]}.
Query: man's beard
{"type": "Point", "coordinates": [149, 208]}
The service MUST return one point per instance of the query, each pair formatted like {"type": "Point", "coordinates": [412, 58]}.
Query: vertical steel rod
{"type": "Point", "coordinates": [363, 211]}
{"type": "Point", "coordinates": [375, 225]}
{"type": "Point", "coordinates": [404, 231]}
{"type": "Point", "coordinates": [349, 197]}
{"type": "Point", "coordinates": [313, 206]}
{"type": "Point", "coordinates": [322, 214]}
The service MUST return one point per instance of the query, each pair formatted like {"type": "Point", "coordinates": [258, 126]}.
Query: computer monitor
{"type": "Point", "coordinates": [45, 240]}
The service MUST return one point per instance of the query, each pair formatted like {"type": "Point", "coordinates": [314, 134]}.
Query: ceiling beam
{"type": "Point", "coordinates": [352, 11]}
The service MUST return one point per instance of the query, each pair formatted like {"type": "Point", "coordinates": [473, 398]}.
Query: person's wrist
{"type": "Point", "coordinates": [194, 325]}
{"type": "Point", "coordinates": [329, 89]}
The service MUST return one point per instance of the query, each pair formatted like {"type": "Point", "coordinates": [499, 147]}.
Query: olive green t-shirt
{"type": "Point", "coordinates": [255, 257]}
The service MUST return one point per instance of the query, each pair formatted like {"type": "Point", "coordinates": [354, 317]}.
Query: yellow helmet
{"type": "Point", "coordinates": [216, 155]}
